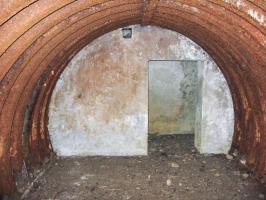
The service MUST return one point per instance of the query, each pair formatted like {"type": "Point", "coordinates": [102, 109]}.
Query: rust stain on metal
{"type": "Point", "coordinates": [234, 34]}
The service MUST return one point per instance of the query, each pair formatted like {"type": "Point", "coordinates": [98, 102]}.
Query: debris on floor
{"type": "Point", "coordinates": [172, 170]}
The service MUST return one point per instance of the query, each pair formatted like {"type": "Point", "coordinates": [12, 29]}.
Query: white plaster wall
{"type": "Point", "coordinates": [99, 105]}
{"type": "Point", "coordinates": [214, 115]}
{"type": "Point", "coordinates": [173, 91]}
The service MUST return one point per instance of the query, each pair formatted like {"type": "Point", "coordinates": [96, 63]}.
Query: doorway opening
{"type": "Point", "coordinates": [173, 96]}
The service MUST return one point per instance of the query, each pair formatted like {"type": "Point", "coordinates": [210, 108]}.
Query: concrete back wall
{"type": "Point", "coordinates": [100, 104]}
{"type": "Point", "coordinates": [173, 92]}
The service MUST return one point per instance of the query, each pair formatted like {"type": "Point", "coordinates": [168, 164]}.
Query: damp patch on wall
{"type": "Point", "coordinates": [172, 96]}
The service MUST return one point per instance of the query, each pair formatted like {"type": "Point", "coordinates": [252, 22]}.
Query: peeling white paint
{"type": "Point", "coordinates": [236, 3]}
{"type": "Point", "coordinates": [257, 16]}
{"type": "Point", "coordinates": [239, 3]}
{"type": "Point", "coordinates": [188, 7]}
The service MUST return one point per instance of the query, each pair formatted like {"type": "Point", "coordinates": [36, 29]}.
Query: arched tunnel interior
{"type": "Point", "coordinates": [39, 38]}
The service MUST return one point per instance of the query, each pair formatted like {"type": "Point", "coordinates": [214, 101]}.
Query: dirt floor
{"type": "Point", "coordinates": [173, 170]}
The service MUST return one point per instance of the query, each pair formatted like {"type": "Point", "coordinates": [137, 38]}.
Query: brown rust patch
{"type": "Point", "coordinates": [234, 38]}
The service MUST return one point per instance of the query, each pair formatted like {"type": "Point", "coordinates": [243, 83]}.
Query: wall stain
{"type": "Point", "coordinates": [100, 103]}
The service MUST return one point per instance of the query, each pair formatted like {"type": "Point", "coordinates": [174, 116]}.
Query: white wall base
{"type": "Point", "coordinates": [214, 126]}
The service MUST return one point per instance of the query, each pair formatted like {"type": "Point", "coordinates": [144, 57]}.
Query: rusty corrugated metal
{"type": "Point", "coordinates": [38, 37]}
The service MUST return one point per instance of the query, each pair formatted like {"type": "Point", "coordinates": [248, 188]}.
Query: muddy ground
{"type": "Point", "coordinates": [173, 170]}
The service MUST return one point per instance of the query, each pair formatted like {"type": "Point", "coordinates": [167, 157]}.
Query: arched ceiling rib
{"type": "Point", "coordinates": [38, 37]}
